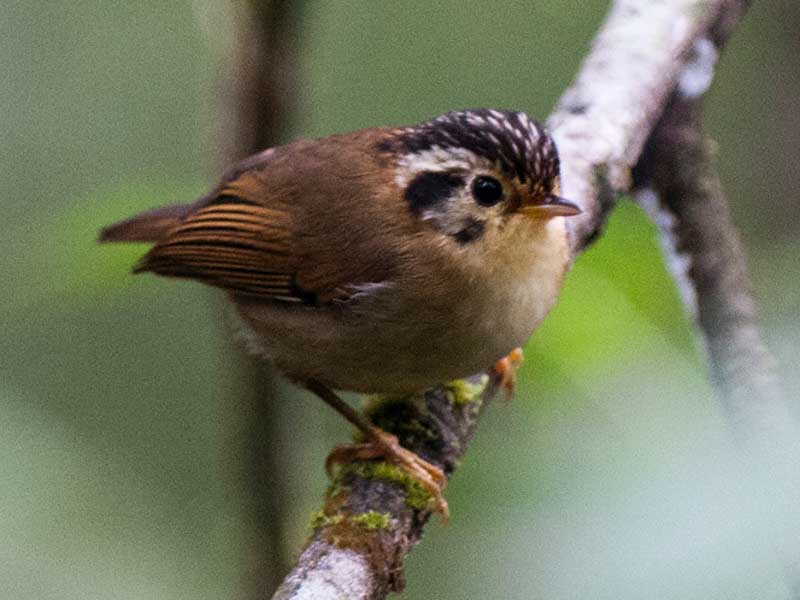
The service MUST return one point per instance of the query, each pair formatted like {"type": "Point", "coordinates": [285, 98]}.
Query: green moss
{"type": "Point", "coordinates": [416, 495]}
{"type": "Point", "coordinates": [371, 520]}
{"type": "Point", "coordinates": [319, 520]}
{"type": "Point", "coordinates": [462, 392]}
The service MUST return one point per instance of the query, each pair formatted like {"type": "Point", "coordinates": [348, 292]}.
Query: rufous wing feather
{"type": "Point", "coordinates": [153, 225]}
{"type": "Point", "coordinates": [232, 244]}
{"type": "Point", "coordinates": [236, 239]}
{"type": "Point", "coordinates": [149, 226]}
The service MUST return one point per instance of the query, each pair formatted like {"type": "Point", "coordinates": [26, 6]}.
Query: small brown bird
{"type": "Point", "coordinates": [384, 260]}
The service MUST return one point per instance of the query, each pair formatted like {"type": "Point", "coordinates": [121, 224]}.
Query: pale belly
{"type": "Point", "coordinates": [356, 353]}
{"type": "Point", "coordinates": [389, 341]}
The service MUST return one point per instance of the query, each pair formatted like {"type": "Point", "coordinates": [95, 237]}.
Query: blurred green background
{"type": "Point", "coordinates": [610, 475]}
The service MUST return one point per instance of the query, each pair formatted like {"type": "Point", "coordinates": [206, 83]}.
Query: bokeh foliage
{"type": "Point", "coordinates": [608, 476]}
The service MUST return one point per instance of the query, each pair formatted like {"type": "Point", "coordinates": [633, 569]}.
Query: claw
{"type": "Point", "coordinates": [504, 371]}
{"type": "Point", "coordinates": [381, 444]}
{"type": "Point", "coordinates": [386, 446]}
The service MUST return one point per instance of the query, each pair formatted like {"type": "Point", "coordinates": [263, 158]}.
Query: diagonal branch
{"type": "Point", "coordinates": [372, 517]}
{"type": "Point", "coordinates": [678, 183]}
{"type": "Point", "coordinates": [374, 513]}
{"type": "Point", "coordinates": [681, 188]}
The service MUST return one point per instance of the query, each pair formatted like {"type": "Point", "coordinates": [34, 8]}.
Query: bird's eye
{"type": "Point", "coordinates": [487, 190]}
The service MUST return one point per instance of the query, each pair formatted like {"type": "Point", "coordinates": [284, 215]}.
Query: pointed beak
{"type": "Point", "coordinates": [554, 206]}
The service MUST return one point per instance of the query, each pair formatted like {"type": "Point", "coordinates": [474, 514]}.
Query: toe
{"type": "Point", "coordinates": [505, 369]}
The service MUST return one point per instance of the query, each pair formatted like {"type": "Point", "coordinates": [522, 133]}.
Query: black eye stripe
{"type": "Point", "coordinates": [430, 188]}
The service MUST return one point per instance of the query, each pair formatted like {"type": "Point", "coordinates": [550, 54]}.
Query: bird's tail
{"type": "Point", "coordinates": [149, 226]}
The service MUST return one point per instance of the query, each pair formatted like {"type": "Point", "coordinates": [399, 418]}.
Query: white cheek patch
{"type": "Point", "coordinates": [438, 159]}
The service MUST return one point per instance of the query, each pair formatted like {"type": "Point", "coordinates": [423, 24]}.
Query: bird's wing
{"type": "Point", "coordinates": [234, 242]}
{"type": "Point", "coordinates": [252, 237]}
{"type": "Point", "coordinates": [153, 225]}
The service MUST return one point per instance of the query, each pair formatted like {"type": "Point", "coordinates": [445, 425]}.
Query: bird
{"type": "Point", "coordinates": [385, 260]}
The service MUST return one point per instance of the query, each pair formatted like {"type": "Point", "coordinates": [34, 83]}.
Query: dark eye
{"type": "Point", "coordinates": [487, 190]}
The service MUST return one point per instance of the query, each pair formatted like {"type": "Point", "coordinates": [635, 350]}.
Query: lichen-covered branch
{"type": "Point", "coordinates": [373, 516]}
{"type": "Point", "coordinates": [683, 191]}
{"type": "Point", "coordinates": [602, 121]}
{"type": "Point", "coordinates": [678, 183]}
{"type": "Point", "coordinates": [707, 259]}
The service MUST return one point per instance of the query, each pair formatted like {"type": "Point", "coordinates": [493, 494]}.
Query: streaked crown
{"type": "Point", "coordinates": [512, 140]}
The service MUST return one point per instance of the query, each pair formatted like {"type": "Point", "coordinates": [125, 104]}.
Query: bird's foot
{"type": "Point", "coordinates": [505, 371]}
{"type": "Point", "coordinates": [383, 445]}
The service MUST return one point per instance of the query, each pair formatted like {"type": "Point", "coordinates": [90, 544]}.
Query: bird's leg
{"type": "Point", "coordinates": [381, 444]}
{"type": "Point", "coordinates": [505, 371]}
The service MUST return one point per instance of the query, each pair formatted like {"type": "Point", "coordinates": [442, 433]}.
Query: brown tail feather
{"type": "Point", "coordinates": [149, 226]}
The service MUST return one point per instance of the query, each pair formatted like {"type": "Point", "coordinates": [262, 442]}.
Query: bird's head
{"type": "Point", "coordinates": [470, 172]}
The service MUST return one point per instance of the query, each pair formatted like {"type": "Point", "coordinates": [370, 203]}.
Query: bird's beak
{"type": "Point", "coordinates": [554, 206]}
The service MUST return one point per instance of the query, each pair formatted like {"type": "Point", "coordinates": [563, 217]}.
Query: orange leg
{"type": "Point", "coordinates": [384, 445]}
{"type": "Point", "coordinates": [505, 371]}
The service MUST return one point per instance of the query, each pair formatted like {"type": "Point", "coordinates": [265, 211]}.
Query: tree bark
{"type": "Point", "coordinates": [255, 102]}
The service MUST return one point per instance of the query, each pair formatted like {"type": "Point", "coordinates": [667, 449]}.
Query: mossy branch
{"type": "Point", "coordinates": [374, 513]}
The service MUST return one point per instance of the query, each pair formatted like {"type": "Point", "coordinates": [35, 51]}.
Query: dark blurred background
{"type": "Point", "coordinates": [611, 475]}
